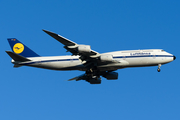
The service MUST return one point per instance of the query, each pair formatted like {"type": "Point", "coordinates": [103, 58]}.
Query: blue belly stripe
{"type": "Point", "coordinates": [143, 56]}
{"type": "Point", "coordinates": [113, 57]}
{"type": "Point", "coordinates": [49, 61]}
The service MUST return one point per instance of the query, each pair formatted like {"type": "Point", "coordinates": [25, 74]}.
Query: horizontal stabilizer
{"type": "Point", "coordinates": [17, 57]}
{"type": "Point", "coordinates": [16, 66]}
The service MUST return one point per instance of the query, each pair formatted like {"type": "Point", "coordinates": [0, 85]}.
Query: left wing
{"type": "Point", "coordinates": [89, 57]}
{"type": "Point", "coordinates": [74, 48]}
{"type": "Point", "coordinates": [61, 39]}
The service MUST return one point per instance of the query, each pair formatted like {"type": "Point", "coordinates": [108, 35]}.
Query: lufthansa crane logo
{"type": "Point", "coordinates": [18, 48]}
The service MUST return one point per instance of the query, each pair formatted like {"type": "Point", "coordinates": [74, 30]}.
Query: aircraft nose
{"type": "Point", "coordinates": [174, 57]}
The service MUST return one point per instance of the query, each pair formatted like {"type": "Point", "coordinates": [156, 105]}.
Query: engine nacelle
{"type": "Point", "coordinates": [106, 58]}
{"type": "Point", "coordinates": [111, 76]}
{"type": "Point", "coordinates": [94, 80]}
{"type": "Point", "coordinates": [84, 49]}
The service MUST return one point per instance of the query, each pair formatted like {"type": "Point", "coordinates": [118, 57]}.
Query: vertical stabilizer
{"type": "Point", "coordinates": [21, 49]}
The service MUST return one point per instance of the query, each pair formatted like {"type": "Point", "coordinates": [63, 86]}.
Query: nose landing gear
{"type": "Point", "coordinates": [159, 65]}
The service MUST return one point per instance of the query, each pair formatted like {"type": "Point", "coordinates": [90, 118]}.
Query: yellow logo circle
{"type": "Point", "coordinates": [18, 48]}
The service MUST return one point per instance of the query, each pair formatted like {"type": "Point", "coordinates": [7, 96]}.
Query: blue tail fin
{"type": "Point", "coordinates": [21, 49]}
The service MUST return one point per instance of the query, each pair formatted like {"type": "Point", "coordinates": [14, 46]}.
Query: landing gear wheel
{"type": "Point", "coordinates": [159, 65]}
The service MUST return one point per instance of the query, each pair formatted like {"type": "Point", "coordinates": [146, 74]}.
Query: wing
{"type": "Point", "coordinates": [90, 79]}
{"type": "Point", "coordinates": [90, 57]}
{"type": "Point", "coordinates": [71, 46]}
{"type": "Point", "coordinates": [61, 39]}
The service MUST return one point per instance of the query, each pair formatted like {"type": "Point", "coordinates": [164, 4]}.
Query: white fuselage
{"type": "Point", "coordinates": [123, 59]}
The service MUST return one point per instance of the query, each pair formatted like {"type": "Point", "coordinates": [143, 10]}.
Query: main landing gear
{"type": "Point", "coordinates": [159, 65]}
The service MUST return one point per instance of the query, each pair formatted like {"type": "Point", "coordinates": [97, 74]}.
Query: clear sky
{"type": "Point", "coordinates": [107, 25]}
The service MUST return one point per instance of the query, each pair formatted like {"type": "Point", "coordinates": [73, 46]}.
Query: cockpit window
{"type": "Point", "coordinates": [162, 50]}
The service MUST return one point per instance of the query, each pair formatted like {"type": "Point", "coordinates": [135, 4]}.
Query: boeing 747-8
{"type": "Point", "coordinates": [83, 58]}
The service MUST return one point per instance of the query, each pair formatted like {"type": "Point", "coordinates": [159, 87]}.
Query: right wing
{"type": "Point", "coordinates": [90, 79]}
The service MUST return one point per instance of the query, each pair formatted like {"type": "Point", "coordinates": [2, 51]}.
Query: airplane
{"type": "Point", "coordinates": [83, 58]}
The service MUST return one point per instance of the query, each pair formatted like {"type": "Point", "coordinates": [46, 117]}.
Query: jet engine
{"type": "Point", "coordinates": [84, 49]}
{"type": "Point", "coordinates": [94, 80]}
{"type": "Point", "coordinates": [106, 58]}
{"type": "Point", "coordinates": [111, 75]}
